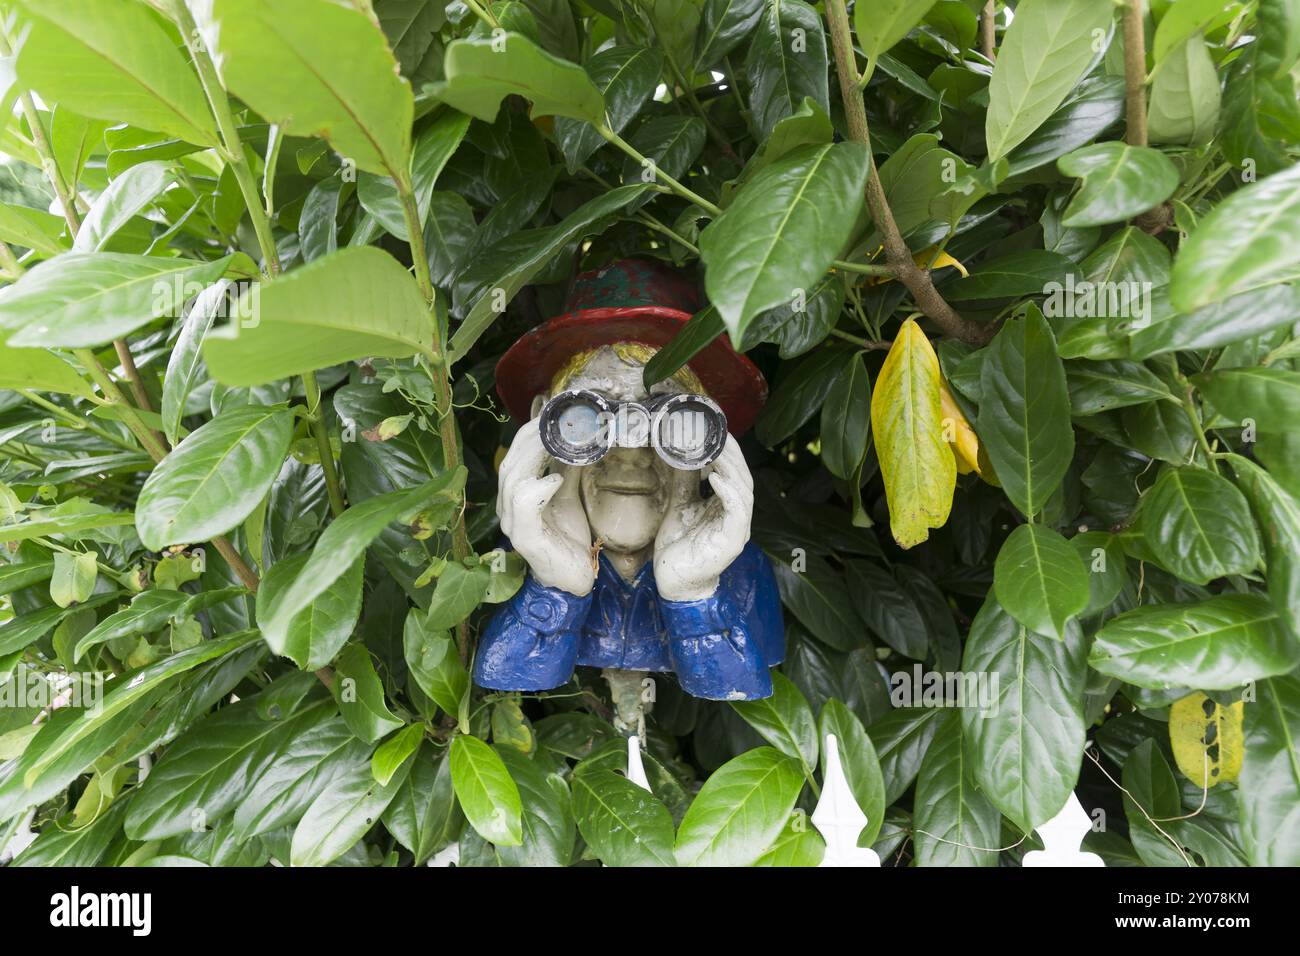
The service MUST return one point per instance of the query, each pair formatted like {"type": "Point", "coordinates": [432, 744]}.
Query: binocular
{"type": "Point", "coordinates": [579, 427]}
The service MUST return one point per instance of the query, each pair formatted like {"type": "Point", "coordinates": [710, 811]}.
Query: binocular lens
{"type": "Point", "coordinates": [688, 431]}
{"type": "Point", "coordinates": [575, 427]}
{"type": "Point", "coordinates": [579, 424]}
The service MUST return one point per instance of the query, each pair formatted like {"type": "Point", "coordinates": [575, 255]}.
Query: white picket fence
{"type": "Point", "coordinates": [839, 819]}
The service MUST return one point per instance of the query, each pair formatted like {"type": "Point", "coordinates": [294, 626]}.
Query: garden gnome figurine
{"type": "Point", "coordinates": [631, 568]}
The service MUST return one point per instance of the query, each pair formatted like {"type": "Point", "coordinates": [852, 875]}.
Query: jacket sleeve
{"type": "Point", "coordinates": [532, 642]}
{"type": "Point", "coordinates": [722, 646]}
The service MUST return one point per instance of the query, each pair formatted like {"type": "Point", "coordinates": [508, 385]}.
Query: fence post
{"type": "Point", "coordinates": [838, 817]}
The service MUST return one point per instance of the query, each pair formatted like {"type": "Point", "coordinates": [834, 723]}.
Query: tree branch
{"type": "Point", "coordinates": [1135, 75]}
{"type": "Point", "coordinates": [899, 257]}
{"type": "Point", "coordinates": [988, 34]}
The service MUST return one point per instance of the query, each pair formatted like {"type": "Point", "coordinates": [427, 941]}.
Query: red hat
{"type": "Point", "coordinates": [632, 300]}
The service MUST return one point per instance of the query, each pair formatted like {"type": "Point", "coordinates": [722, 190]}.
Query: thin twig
{"type": "Point", "coordinates": [988, 29]}
{"type": "Point", "coordinates": [899, 257]}
{"type": "Point", "coordinates": [1135, 73]}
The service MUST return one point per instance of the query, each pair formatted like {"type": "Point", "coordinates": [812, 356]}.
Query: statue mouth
{"type": "Point", "coordinates": [629, 485]}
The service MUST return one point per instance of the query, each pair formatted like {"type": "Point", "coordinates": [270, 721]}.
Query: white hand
{"type": "Point", "coordinates": [698, 540]}
{"type": "Point", "coordinates": [543, 517]}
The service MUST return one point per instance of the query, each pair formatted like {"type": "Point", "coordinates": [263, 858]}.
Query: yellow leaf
{"type": "Point", "coordinates": [958, 433]}
{"type": "Point", "coordinates": [1206, 739]}
{"type": "Point", "coordinates": [918, 469]}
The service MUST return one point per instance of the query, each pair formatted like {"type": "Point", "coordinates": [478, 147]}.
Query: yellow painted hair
{"type": "Point", "coordinates": [637, 353]}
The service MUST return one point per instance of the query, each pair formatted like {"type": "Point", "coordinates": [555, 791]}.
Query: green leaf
{"type": "Point", "coordinates": [889, 610]}
{"type": "Point", "coordinates": [389, 757]}
{"type": "Point", "coordinates": [548, 827]}
{"type": "Point", "coordinates": [84, 300]}
{"type": "Point", "coordinates": [902, 738]}
{"type": "Point", "coordinates": [1119, 182]}
{"type": "Point", "coordinates": [1017, 274]}
{"type": "Point", "coordinates": [1042, 57]}
{"type": "Point", "coordinates": [210, 769]}
{"type": "Point", "coordinates": [1268, 396]}
{"type": "Point", "coordinates": [15, 577]}
{"type": "Point", "coordinates": [284, 62]}
{"type": "Point", "coordinates": [126, 197]}
{"type": "Point", "coordinates": [20, 632]}
{"type": "Point", "coordinates": [80, 846]}
{"type": "Point", "coordinates": [1278, 515]}
{"type": "Point", "coordinates": [1110, 384]}
{"type": "Point", "coordinates": [782, 231]}
{"type": "Point", "coordinates": [799, 324]}
{"type": "Point", "coordinates": [1026, 744]}
{"type": "Point", "coordinates": [149, 611]}
{"type": "Point", "coordinates": [626, 77]}
{"type": "Point", "coordinates": [861, 766]}
{"type": "Point", "coordinates": [672, 142]}
{"type": "Point", "coordinates": [1269, 785]}
{"type": "Point", "coordinates": [818, 598]}
{"type": "Point", "coordinates": [623, 824]}
{"type": "Point", "coordinates": [460, 590]}
{"type": "Point", "coordinates": [318, 631]}
{"type": "Point", "coordinates": [1216, 644]}
{"type": "Point", "coordinates": [119, 700]}
{"type": "Point", "coordinates": [724, 24]}
{"type": "Point", "coordinates": [213, 480]}
{"type": "Point", "coordinates": [114, 61]}
{"type": "Point", "coordinates": [448, 236]}
{"type": "Point", "coordinates": [784, 720]}
{"type": "Point", "coordinates": [74, 577]}
{"type": "Point", "coordinates": [72, 524]}
{"type": "Point", "coordinates": [881, 25]}
{"type": "Point", "coordinates": [1184, 104]}
{"type": "Point", "coordinates": [914, 178]}
{"type": "Point", "coordinates": [346, 540]}
{"type": "Point", "coordinates": [486, 791]}
{"type": "Point", "coordinates": [40, 370]}
{"type": "Point", "coordinates": [740, 811]}
{"type": "Point", "coordinates": [342, 814]}
{"type": "Point", "coordinates": [360, 695]}
{"type": "Point", "coordinates": [1198, 525]}
{"type": "Point", "coordinates": [423, 816]}
{"type": "Point", "coordinates": [1088, 111]}
{"type": "Point", "coordinates": [482, 71]}
{"type": "Point", "coordinates": [1247, 241]}
{"type": "Point", "coordinates": [352, 304]}
{"type": "Point", "coordinates": [1179, 21]}
{"type": "Point", "coordinates": [846, 420]}
{"type": "Point", "coordinates": [1040, 580]}
{"type": "Point", "coordinates": [786, 64]}
{"type": "Point", "coordinates": [431, 655]}
{"type": "Point", "coordinates": [304, 766]}
{"type": "Point", "coordinates": [379, 194]}
{"type": "Point", "coordinates": [1151, 791]}
{"type": "Point", "coordinates": [1235, 319]}
{"type": "Point", "coordinates": [185, 364]}
{"type": "Point", "coordinates": [490, 283]}
{"type": "Point", "coordinates": [948, 807]}
{"type": "Point", "coordinates": [33, 228]}
{"type": "Point", "coordinates": [1107, 571]}
{"type": "Point", "coordinates": [1024, 418]}
{"type": "Point", "coordinates": [700, 329]}
{"type": "Point", "coordinates": [799, 395]}
{"type": "Point", "coordinates": [917, 466]}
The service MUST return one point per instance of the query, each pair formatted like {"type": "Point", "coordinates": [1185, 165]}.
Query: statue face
{"type": "Point", "coordinates": [626, 493]}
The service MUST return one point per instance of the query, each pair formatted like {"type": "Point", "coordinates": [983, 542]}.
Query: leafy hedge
{"type": "Point", "coordinates": [1022, 277]}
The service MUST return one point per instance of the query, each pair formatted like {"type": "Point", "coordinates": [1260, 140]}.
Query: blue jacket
{"type": "Point", "coordinates": [720, 647]}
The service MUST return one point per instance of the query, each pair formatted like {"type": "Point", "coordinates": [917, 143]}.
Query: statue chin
{"type": "Point", "coordinates": [624, 522]}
